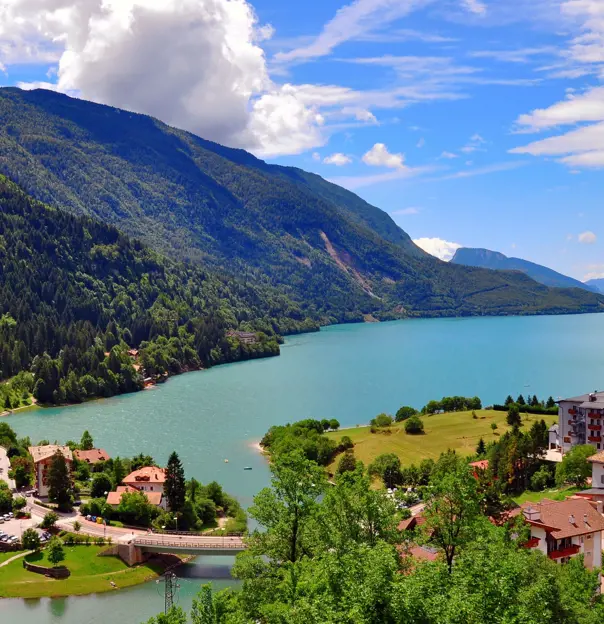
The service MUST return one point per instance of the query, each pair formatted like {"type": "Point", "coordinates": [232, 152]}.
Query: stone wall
{"type": "Point", "coordinates": [58, 573]}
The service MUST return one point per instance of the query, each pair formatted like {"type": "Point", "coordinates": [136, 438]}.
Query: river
{"type": "Point", "coordinates": [348, 372]}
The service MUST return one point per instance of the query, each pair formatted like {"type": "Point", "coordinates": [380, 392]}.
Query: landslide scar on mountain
{"type": "Point", "coordinates": [361, 281]}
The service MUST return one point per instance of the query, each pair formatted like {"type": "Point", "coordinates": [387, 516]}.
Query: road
{"type": "Point", "coordinates": [5, 467]}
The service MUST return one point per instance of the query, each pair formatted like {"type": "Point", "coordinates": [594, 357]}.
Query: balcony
{"type": "Point", "coordinates": [594, 439]}
{"type": "Point", "coordinates": [594, 415]}
{"type": "Point", "coordinates": [572, 412]}
{"type": "Point", "coordinates": [594, 427]}
{"type": "Point", "coordinates": [532, 543]}
{"type": "Point", "coordinates": [571, 421]}
{"type": "Point", "coordinates": [565, 552]}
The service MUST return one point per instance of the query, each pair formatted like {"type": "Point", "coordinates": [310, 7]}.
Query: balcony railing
{"type": "Point", "coordinates": [571, 421]}
{"type": "Point", "coordinates": [594, 439]}
{"type": "Point", "coordinates": [564, 552]}
{"type": "Point", "coordinates": [594, 415]}
{"type": "Point", "coordinates": [572, 412]}
{"type": "Point", "coordinates": [532, 543]}
{"type": "Point", "coordinates": [594, 427]}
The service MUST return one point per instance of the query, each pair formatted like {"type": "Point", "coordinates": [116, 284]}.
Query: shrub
{"type": "Point", "coordinates": [345, 443]}
{"type": "Point", "coordinates": [382, 420]}
{"type": "Point", "coordinates": [30, 540]}
{"type": "Point", "coordinates": [414, 425]}
{"type": "Point", "coordinates": [541, 479]}
{"type": "Point", "coordinates": [404, 413]}
{"type": "Point", "coordinates": [347, 463]}
{"type": "Point", "coordinates": [388, 467]}
{"type": "Point", "coordinates": [49, 520]}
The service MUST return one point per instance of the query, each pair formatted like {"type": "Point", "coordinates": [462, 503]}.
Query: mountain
{"type": "Point", "coordinates": [494, 260]}
{"type": "Point", "coordinates": [333, 255]}
{"type": "Point", "coordinates": [73, 289]}
{"type": "Point", "coordinates": [597, 284]}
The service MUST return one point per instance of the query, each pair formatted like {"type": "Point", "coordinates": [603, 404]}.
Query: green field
{"type": "Point", "coordinates": [89, 574]}
{"type": "Point", "coordinates": [553, 494]}
{"type": "Point", "coordinates": [5, 556]}
{"type": "Point", "coordinates": [457, 431]}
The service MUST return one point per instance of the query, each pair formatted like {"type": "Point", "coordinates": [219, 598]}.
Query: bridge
{"type": "Point", "coordinates": [134, 548]}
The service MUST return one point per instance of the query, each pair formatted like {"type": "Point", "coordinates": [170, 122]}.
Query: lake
{"type": "Point", "coordinates": [348, 372]}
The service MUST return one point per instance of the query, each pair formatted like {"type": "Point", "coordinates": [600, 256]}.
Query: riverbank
{"type": "Point", "coordinates": [91, 573]}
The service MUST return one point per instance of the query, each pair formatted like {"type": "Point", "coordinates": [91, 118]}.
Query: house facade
{"type": "Point", "coordinates": [565, 529]}
{"type": "Point", "coordinates": [42, 457]}
{"type": "Point", "coordinates": [150, 480]}
{"type": "Point", "coordinates": [92, 457]}
{"type": "Point", "coordinates": [580, 421]}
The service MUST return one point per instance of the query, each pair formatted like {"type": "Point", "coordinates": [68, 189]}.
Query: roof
{"type": "Point", "coordinates": [411, 523]}
{"type": "Point", "coordinates": [148, 474]}
{"type": "Point", "coordinates": [569, 518]}
{"type": "Point", "coordinates": [40, 453]}
{"type": "Point", "coordinates": [424, 553]}
{"type": "Point", "coordinates": [598, 458]}
{"type": "Point", "coordinates": [483, 464]}
{"type": "Point", "coordinates": [93, 456]}
{"type": "Point", "coordinates": [554, 429]}
{"type": "Point", "coordinates": [581, 398]}
{"type": "Point", "coordinates": [114, 498]}
{"type": "Point", "coordinates": [592, 405]}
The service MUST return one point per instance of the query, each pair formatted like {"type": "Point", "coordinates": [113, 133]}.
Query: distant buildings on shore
{"type": "Point", "coordinates": [580, 421]}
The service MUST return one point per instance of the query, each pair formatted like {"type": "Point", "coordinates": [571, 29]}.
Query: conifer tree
{"type": "Point", "coordinates": [175, 483]}
{"type": "Point", "coordinates": [59, 482]}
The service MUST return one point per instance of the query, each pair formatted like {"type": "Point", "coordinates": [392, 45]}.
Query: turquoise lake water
{"type": "Point", "coordinates": [348, 372]}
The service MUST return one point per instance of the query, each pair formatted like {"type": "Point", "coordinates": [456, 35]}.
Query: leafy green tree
{"type": "Point", "coordinates": [135, 508]}
{"type": "Point", "coordinates": [541, 479]}
{"type": "Point", "coordinates": [86, 443]}
{"type": "Point", "coordinates": [59, 482]}
{"type": "Point", "coordinates": [101, 484]}
{"type": "Point", "coordinates": [141, 461]}
{"type": "Point", "coordinates": [382, 420]}
{"type": "Point", "coordinates": [50, 520]}
{"type": "Point", "coordinates": [175, 615]}
{"type": "Point", "coordinates": [334, 424]}
{"type": "Point", "coordinates": [119, 471]}
{"type": "Point", "coordinates": [513, 418]}
{"type": "Point", "coordinates": [77, 527]}
{"type": "Point", "coordinates": [56, 553]}
{"type": "Point", "coordinates": [453, 508]}
{"type": "Point", "coordinates": [285, 511]}
{"type": "Point", "coordinates": [346, 443]}
{"type": "Point", "coordinates": [574, 467]}
{"type": "Point", "coordinates": [347, 462]}
{"type": "Point", "coordinates": [405, 412]}
{"type": "Point", "coordinates": [414, 425]}
{"type": "Point", "coordinates": [388, 467]}
{"type": "Point", "coordinates": [325, 424]}
{"type": "Point", "coordinates": [193, 488]}
{"type": "Point", "coordinates": [19, 502]}
{"type": "Point", "coordinates": [494, 427]}
{"type": "Point", "coordinates": [30, 540]}
{"type": "Point", "coordinates": [203, 610]}
{"type": "Point", "coordinates": [481, 448]}
{"type": "Point", "coordinates": [22, 470]}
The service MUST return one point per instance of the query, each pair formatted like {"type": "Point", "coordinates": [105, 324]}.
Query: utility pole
{"type": "Point", "coordinates": [170, 589]}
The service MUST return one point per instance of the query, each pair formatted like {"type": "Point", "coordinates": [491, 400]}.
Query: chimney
{"type": "Point", "coordinates": [585, 519]}
{"type": "Point", "coordinates": [532, 514]}
{"type": "Point", "coordinates": [571, 519]}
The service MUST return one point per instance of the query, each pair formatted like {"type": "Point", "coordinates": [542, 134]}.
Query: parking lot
{"type": "Point", "coordinates": [16, 527]}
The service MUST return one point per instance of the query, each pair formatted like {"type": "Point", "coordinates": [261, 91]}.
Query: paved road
{"type": "Point", "coordinates": [5, 467]}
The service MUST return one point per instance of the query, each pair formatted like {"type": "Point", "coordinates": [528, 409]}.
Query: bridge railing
{"type": "Point", "coordinates": [193, 534]}
{"type": "Point", "coordinates": [185, 544]}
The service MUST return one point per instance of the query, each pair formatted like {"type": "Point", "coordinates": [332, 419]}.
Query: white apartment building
{"type": "Point", "coordinates": [580, 421]}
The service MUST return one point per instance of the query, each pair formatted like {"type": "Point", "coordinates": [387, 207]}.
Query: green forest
{"type": "Point", "coordinates": [335, 256]}
{"type": "Point", "coordinates": [76, 295]}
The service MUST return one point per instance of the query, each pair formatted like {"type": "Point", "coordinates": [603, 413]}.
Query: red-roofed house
{"type": "Point", "coordinates": [149, 480]}
{"type": "Point", "coordinates": [115, 498]}
{"type": "Point", "coordinates": [564, 529]}
{"type": "Point", "coordinates": [480, 465]}
{"type": "Point", "coordinates": [93, 456]}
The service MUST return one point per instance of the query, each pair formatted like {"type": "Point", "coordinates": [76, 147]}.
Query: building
{"type": "Point", "coordinates": [479, 467]}
{"type": "Point", "coordinates": [149, 479]}
{"type": "Point", "coordinates": [561, 530]}
{"type": "Point", "coordinates": [580, 421]}
{"type": "Point", "coordinates": [93, 456]}
{"type": "Point", "coordinates": [115, 498]}
{"type": "Point", "coordinates": [596, 492]}
{"type": "Point", "coordinates": [243, 337]}
{"type": "Point", "coordinates": [42, 456]}
{"type": "Point", "coordinates": [554, 437]}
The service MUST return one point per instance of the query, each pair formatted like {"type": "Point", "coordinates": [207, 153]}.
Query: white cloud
{"type": "Point", "coordinates": [475, 6]}
{"type": "Point", "coordinates": [337, 159]}
{"type": "Point", "coordinates": [379, 156]}
{"type": "Point", "coordinates": [438, 247]}
{"type": "Point", "coordinates": [405, 212]}
{"type": "Point", "coordinates": [352, 21]}
{"type": "Point", "coordinates": [448, 155]}
{"type": "Point", "coordinates": [365, 115]}
{"type": "Point", "coordinates": [421, 143]}
{"type": "Point", "coordinates": [474, 145]}
{"type": "Point", "coordinates": [316, 156]}
{"type": "Point", "coordinates": [587, 238]}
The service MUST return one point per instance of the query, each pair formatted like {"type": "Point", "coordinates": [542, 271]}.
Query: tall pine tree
{"type": "Point", "coordinates": [59, 482]}
{"type": "Point", "coordinates": [175, 483]}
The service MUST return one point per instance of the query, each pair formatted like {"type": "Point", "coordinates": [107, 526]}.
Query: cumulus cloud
{"type": "Point", "coordinates": [338, 159]}
{"type": "Point", "coordinates": [587, 238]}
{"type": "Point", "coordinates": [379, 156]}
{"type": "Point", "coordinates": [475, 6]}
{"type": "Point", "coordinates": [448, 155]}
{"type": "Point", "coordinates": [195, 64]}
{"type": "Point", "coordinates": [438, 247]}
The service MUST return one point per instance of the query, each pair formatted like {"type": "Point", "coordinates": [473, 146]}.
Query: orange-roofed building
{"type": "Point", "coordinates": [114, 498]}
{"type": "Point", "coordinates": [93, 456]}
{"type": "Point", "coordinates": [149, 479]}
{"type": "Point", "coordinates": [564, 529]}
{"type": "Point", "coordinates": [42, 456]}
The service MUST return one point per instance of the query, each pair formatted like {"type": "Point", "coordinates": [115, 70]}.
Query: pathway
{"type": "Point", "coordinates": [23, 554]}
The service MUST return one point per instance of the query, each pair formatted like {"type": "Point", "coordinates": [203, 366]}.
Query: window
{"type": "Point", "coordinates": [602, 479]}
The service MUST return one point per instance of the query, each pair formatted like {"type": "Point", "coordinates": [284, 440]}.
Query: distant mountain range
{"type": "Point", "coordinates": [597, 284]}
{"type": "Point", "coordinates": [331, 254]}
{"type": "Point", "coordinates": [494, 260]}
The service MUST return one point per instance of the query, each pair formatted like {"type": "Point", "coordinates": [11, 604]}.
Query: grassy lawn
{"type": "Point", "coordinates": [89, 574]}
{"type": "Point", "coordinates": [555, 494]}
{"type": "Point", "coordinates": [457, 431]}
{"type": "Point", "coordinates": [4, 556]}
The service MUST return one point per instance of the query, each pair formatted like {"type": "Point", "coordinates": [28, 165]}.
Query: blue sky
{"type": "Point", "coordinates": [474, 123]}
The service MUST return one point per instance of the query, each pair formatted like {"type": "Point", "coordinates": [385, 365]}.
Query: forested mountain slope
{"type": "Point", "coordinates": [488, 259]}
{"type": "Point", "coordinates": [84, 293]}
{"type": "Point", "coordinates": [330, 252]}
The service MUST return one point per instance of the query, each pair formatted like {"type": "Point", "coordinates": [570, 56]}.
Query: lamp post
{"type": "Point", "coordinates": [105, 522]}
{"type": "Point", "coordinates": [176, 523]}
